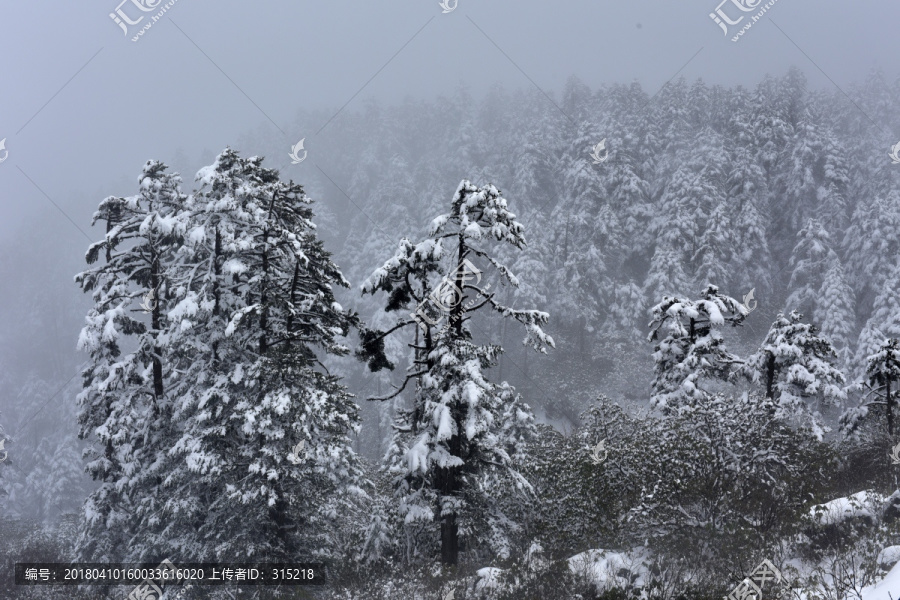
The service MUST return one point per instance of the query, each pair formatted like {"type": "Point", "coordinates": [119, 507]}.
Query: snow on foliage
{"type": "Point", "coordinates": [607, 569]}
{"type": "Point", "coordinates": [453, 451]}
{"type": "Point", "coordinates": [865, 504]}
{"type": "Point", "coordinates": [193, 429]}
{"type": "Point", "coordinates": [795, 366]}
{"type": "Point", "coordinates": [690, 351]}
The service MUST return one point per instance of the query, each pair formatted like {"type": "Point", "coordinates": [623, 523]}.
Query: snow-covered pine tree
{"type": "Point", "coordinates": [672, 118]}
{"type": "Point", "coordinates": [624, 319]}
{"type": "Point", "coordinates": [589, 237]}
{"type": "Point", "coordinates": [803, 174]}
{"type": "Point", "coordinates": [882, 379]}
{"type": "Point", "coordinates": [834, 310]}
{"type": "Point", "coordinates": [810, 261]}
{"type": "Point", "coordinates": [871, 243]}
{"type": "Point", "coordinates": [716, 245]}
{"type": "Point", "coordinates": [693, 354]}
{"type": "Point", "coordinates": [52, 488]}
{"type": "Point", "coordinates": [533, 166]}
{"type": "Point", "coordinates": [834, 185]}
{"type": "Point", "coordinates": [264, 465]}
{"type": "Point", "coordinates": [125, 407]}
{"type": "Point", "coordinates": [884, 320]}
{"type": "Point", "coordinates": [746, 190]}
{"type": "Point", "coordinates": [629, 194]}
{"type": "Point", "coordinates": [771, 128]}
{"type": "Point", "coordinates": [883, 370]}
{"type": "Point", "coordinates": [677, 233]}
{"type": "Point", "coordinates": [794, 366]}
{"type": "Point", "coordinates": [453, 450]}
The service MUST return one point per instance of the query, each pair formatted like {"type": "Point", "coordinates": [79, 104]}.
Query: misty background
{"type": "Point", "coordinates": [83, 107]}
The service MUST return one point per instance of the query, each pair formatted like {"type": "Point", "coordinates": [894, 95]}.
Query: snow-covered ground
{"type": "Point", "coordinates": [887, 589]}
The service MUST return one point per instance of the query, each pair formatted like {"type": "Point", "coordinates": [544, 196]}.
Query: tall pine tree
{"type": "Point", "coordinates": [263, 466]}
{"type": "Point", "coordinates": [451, 457]}
{"type": "Point", "coordinates": [125, 406]}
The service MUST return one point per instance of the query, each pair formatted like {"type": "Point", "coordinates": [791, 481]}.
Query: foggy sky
{"type": "Point", "coordinates": [83, 107]}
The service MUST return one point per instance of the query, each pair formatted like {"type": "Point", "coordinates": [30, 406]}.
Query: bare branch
{"type": "Point", "coordinates": [400, 389]}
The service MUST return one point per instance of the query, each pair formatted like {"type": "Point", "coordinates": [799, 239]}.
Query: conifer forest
{"type": "Point", "coordinates": [620, 338]}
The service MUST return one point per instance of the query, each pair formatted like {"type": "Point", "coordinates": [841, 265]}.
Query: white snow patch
{"type": "Point", "coordinates": [889, 585]}
{"type": "Point", "coordinates": [860, 504]}
{"type": "Point", "coordinates": [890, 556]}
{"type": "Point", "coordinates": [603, 567]}
{"type": "Point", "coordinates": [488, 579]}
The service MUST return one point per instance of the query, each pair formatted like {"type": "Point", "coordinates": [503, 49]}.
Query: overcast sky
{"type": "Point", "coordinates": [82, 106]}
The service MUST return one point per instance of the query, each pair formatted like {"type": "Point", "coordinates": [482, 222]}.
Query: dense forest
{"type": "Point", "coordinates": [613, 345]}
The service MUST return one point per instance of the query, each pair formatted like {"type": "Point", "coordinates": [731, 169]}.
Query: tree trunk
{"type": "Point", "coordinates": [217, 292]}
{"type": "Point", "coordinates": [284, 526]}
{"type": "Point", "coordinates": [155, 323]}
{"type": "Point", "coordinates": [448, 478]}
{"type": "Point", "coordinates": [890, 410]}
{"type": "Point", "coordinates": [264, 289]}
{"type": "Point", "coordinates": [294, 282]}
{"type": "Point", "coordinates": [770, 380]}
{"type": "Point", "coordinates": [449, 540]}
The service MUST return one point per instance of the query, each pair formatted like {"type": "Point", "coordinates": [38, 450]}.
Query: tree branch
{"type": "Point", "coordinates": [399, 390]}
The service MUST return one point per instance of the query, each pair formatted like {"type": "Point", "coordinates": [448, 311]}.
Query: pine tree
{"type": "Point", "coordinates": [54, 485]}
{"type": "Point", "coordinates": [624, 321]}
{"type": "Point", "coordinates": [883, 370]}
{"type": "Point", "coordinates": [884, 320]}
{"type": "Point", "coordinates": [47, 478]}
{"type": "Point", "coordinates": [794, 366]}
{"type": "Point", "coordinates": [629, 194]}
{"type": "Point", "coordinates": [810, 261]}
{"type": "Point", "coordinates": [747, 192]}
{"type": "Point", "coordinates": [692, 355]}
{"type": "Point", "coordinates": [454, 444]}
{"type": "Point", "coordinates": [677, 231]}
{"type": "Point", "coordinates": [714, 254]}
{"type": "Point", "coordinates": [125, 407]}
{"type": "Point", "coordinates": [589, 232]}
{"type": "Point", "coordinates": [834, 310]}
{"type": "Point", "coordinates": [871, 242]}
{"type": "Point", "coordinates": [772, 129]}
{"type": "Point", "coordinates": [803, 173]}
{"type": "Point", "coordinates": [263, 466]}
